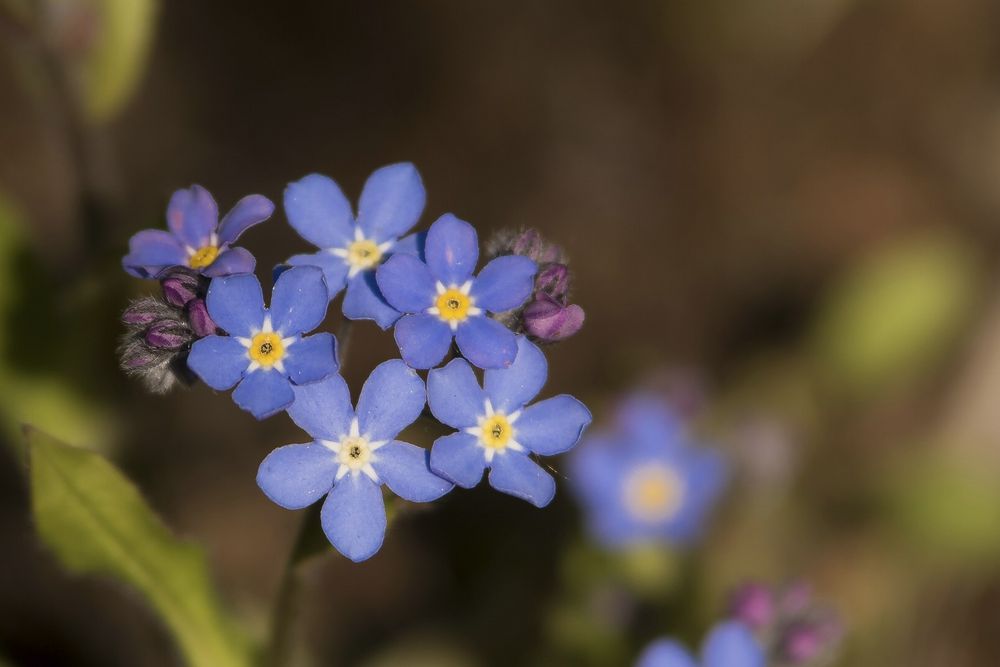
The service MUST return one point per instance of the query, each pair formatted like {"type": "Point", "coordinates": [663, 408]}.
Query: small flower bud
{"type": "Point", "coordinates": [144, 312]}
{"type": "Point", "coordinates": [754, 605]}
{"type": "Point", "coordinates": [554, 281]}
{"type": "Point", "coordinates": [549, 321]}
{"type": "Point", "coordinates": [167, 335]}
{"type": "Point", "coordinates": [198, 318]}
{"type": "Point", "coordinates": [181, 285]}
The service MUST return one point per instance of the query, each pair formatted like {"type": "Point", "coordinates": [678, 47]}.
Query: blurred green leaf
{"type": "Point", "coordinates": [893, 315]}
{"type": "Point", "coordinates": [95, 521]}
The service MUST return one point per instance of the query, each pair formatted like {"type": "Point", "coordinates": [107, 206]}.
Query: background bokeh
{"type": "Point", "coordinates": [786, 215]}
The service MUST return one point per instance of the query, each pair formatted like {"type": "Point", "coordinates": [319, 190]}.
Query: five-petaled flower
{"type": "Point", "coordinates": [197, 239]}
{"type": "Point", "coordinates": [265, 351]}
{"type": "Point", "coordinates": [645, 481]}
{"type": "Point", "coordinates": [729, 644]}
{"type": "Point", "coordinates": [496, 430]}
{"type": "Point", "coordinates": [391, 203]}
{"type": "Point", "coordinates": [353, 453]}
{"type": "Point", "coordinates": [444, 301]}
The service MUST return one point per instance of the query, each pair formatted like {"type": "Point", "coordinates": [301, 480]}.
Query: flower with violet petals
{"type": "Point", "coordinates": [645, 481]}
{"type": "Point", "coordinates": [197, 239]}
{"type": "Point", "coordinates": [729, 644]}
{"type": "Point", "coordinates": [351, 249]}
{"type": "Point", "coordinates": [496, 430]}
{"type": "Point", "coordinates": [353, 453]}
{"type": "Point", "coordinates": [443, 301]}
{"type": "Point", "coordinates": [265, 351]}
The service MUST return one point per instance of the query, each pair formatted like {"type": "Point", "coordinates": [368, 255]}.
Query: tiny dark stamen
{"type": "Point", "coordinates": [453, 304]}
{"type": "Point", "coordinates": [497, 430]}
{"type": "Point", "coordinates": [355, 451]}
{"type": "Point", "coordinates": [266, 348]}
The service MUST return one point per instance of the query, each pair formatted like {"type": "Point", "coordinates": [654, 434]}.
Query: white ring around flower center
{"type": "Point", "coordinates": [362, 253]}
{"type": "Point", "coordinates": [653, 493]}
{"type": "Point", "coordinates": [355, 453]}
{"type": "Point", "coordinates": [490, 440]}
{"type": "Point", "coordinates": [266, 327]}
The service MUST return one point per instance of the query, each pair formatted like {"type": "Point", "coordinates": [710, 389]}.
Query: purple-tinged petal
{"type": "Point", "coordinates": [406, 283]}
{"type": "Point", "coordinates": [353, 517]}
{"type": "Point", "coordinates": [312, 358]}
{"type": "Point", "coordinates": [363, 301]}
{"type": "Point", "coordinates": [505, 283]}
{"type": "Point", "coordinates": [391, 202]}
{"type": "Point", "coordinates": [323, 409]}
{"type": "Point", "coordinates": [249, 211]}
{"type": "Point", "coordinates": [299, 300]}
{"type": "Point", "coordinates": [231, 262]}
{"type": "Point", "coordinates": [193, 216]}
{"type": "Point", "coordinates": [334, 269]}
{"type": "Point", "coordinates": [201, 322]}
{"type": "Point", "coordinates": [517, 475]}
{"type": "Point", "coordinates": [404, 469]}
{"type": "Point", "coordinates": [552, 426]}
{"type": "Point", "coordinates": [264, 393]}
{"type": "Point", "coordinates": [319, 212]}
{"type": "Point", "coordinates": [732, 645]}
{"type": "Point", "coordinates": [167, 335]}
{"type": "Point", "coordinates": [459, 459]}
{"type": "Point", "coordinates": [452, 250]}
{"type": "Point", "coordinates": [152, 250]}
{"type": "Point", "coordinates": [391, 399]}
{"type": "Point", "coordinates": [236, 303]}
{"type": "Point", "coordinates": [548, 320]}
{"type": "Point", "coordinates": [665, 653]}
{"type": "Point", "coordinates": [423, 340]}
{"type": "Point", "coordinates": [511, 388]}
{"type": "Point", "coordinates": [296, 476]}
{"type": "Point", "coordinates": [180, 287]}
{"type": "Point", "coordinates": [410, 245]}
{"type": "Point", "coordinates": [219, 361]}
{"type": "Point", "coordinates": [454, 396]}
{"type": "Point", "coordinates": [486, 343]}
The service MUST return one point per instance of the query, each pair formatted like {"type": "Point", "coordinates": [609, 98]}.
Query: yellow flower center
{"type": "Point", "coordinates": [364, 254]}
{"type": "Point", "coordinates": [266, 349]}
{"type": "Point", "coordinates": [354, 452]}
{"type": "Point", "coordinates": [496, 431]}
{"type": "Point", "coordinates": [203, 257]}
{"type": "Point", "coordinates": [653, 493]}
{"type": "Point", "coordinates": [453, 306]}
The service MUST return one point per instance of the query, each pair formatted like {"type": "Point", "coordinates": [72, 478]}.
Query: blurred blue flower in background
{"type": "Point", "coordinates": [265, 351]}
{"type": "Point", "coordinates": [644, 480]}
{"type": "Point", "coordinates": [351, 249]}
{"type": "Point", "coordinates": [729, 644]}
{"type": "Point", "coordinates": [353, 454]}
{"type": "Point", "coordinates": [196, 238]}
{"type": "Point", "coordinates": [496, 430]}
{"type": "Point", "coordinates": [445, 302]}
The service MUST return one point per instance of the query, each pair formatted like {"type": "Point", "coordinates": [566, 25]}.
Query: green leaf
{"type": "Point", "coordinates": [95, 521]}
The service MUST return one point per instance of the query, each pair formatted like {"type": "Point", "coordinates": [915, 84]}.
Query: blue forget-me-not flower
{"type": "Point", "coordinates": [265, 351]}
{"type": "Point", "coordinates": [645, 481]}
{"type": "Point", "coordinates": [353, 453]}
{"type": "Point", "coordinates": [444, 301]}
{"type": "Point", "coordinates": [350, 249]}
{"type": "Point", "coordinates": [496, 430]}
{"type": "Point", "coordinates": [197, 239]}
{"type": "Point", "coordinates": [729, 644]}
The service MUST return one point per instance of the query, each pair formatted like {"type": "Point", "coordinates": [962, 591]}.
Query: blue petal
{"type": "Point", "coordinates": [423, 340]}
{"type": "Point", "coordinates": [406, 283]}
{"type": "Point", "coordinates": [411, 245]}
{"type": "Point", "coordinates": [192, 216]}
{"type": "Point", "coordinates": [296, 476]}
{"type": "Point", "coordinates": [391, 202]}
{"type": "Point", "coordinates": [264, 393]}
{"type": "Point", "coordinates": [299, 300]}
{"type": "Point", "coordinates": [454, 396]}
{"type": "Point", "coordinates": [236, 303]}
{"type": "Point", "coordinates": [152, 250]}
{"type": "Point", "coordinates": [319, 212]}
{"type": "Point", "coordinates": [230, 262]}
{"type": "Point", "coordinates": [486, 343]}
{"type": "Point", "coordinates": [650, 425]}
{"type": "Point", "coordinates": [364, 301]}
{"type": "Point", "coordinates": [391, 399]}
{"type": "Point", "coordinates": [552, 426]}
{"type": "Point", "coordinates": [312, 358]}
{"type": "Point", "coordinates": [334, 269]}
{"type": "Point", "coordinates": [459, 459]}
{"type": "Point", "coordinates": [704, 473]}
{"type": "Point", "coordinates": [404, 469]}
{"type": "Point", "coordinates": [219, 361]}
{"type": "Point", "coordinates": [731, 644]}
{"type": "Point", "coordinates": [511, 388]}
{"type": "Point", "coordinates": [452, 250]}
{"type": "Point", "coordinates": [515, 474]}
{"type": "Point", "coordinates": [505, 283]}
{"type": "Point", "coordinates": [353, 517]}
{"type": "Point", "coordinates": [665, 653]}
{"type": "Point", "coordinates": [323, 409]}
{"type": "Point", "coordinates": [249, 211]}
